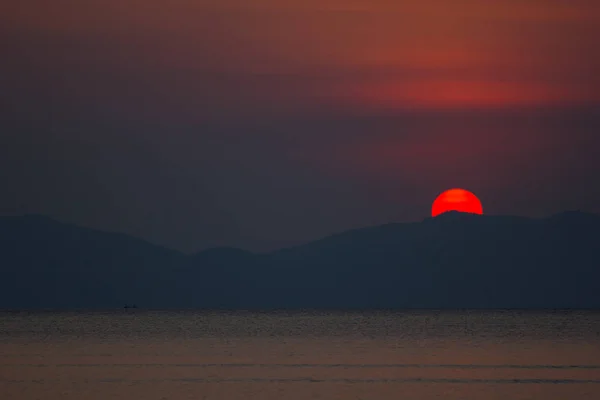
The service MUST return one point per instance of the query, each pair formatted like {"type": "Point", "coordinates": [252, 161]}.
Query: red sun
{"type": "Point", "coordinates": [456, 200]}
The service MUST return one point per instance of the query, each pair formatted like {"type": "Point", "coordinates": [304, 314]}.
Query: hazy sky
{"type": "Point", "coordinates": [266, 123]}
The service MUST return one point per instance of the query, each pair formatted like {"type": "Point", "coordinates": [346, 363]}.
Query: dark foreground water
{"type": "Point", "coordinates": [397, 355]}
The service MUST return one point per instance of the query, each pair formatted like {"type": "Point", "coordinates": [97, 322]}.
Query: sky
{"type": "Point", "coordinates": [263, 124]}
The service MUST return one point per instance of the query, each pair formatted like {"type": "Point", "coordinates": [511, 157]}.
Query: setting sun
{"type": "Point", "coordinates": [456, 200]}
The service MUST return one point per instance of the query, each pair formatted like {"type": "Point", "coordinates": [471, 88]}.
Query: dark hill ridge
{"type": "Point", "coordinates": [453, 260]}
{"type": "Point", "coordinates": [45, 263]}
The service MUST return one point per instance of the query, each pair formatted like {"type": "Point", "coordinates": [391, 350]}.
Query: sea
{"type": "Point", "coordinates": [358, 355]}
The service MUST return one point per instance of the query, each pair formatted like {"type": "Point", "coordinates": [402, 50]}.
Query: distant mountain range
{"type": "Point", "coordinates": [455, 260]}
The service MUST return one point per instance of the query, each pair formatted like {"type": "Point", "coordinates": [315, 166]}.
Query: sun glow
{"type": "Point", "coordinates": [456, 200]}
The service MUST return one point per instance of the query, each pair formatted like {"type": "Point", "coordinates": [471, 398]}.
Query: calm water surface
{"type": "Point", "coordinates": [387, 355]}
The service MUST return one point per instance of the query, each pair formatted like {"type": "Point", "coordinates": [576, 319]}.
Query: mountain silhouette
{"type": "Point", "coordinates": [455, 260]}
{"type": "Point", "coordinates": [48, 264]}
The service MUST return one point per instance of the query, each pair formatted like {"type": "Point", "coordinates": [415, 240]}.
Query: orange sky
{"type": "Point", "coordinates": [371, 54]}
{"type": "Point", "coordinates": [335, 113]}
